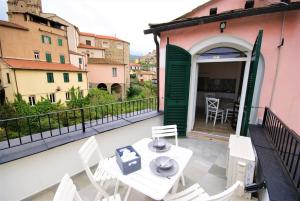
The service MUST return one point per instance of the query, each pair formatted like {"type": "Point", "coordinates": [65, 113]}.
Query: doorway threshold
{"type": "Point", "coordinates": [208, 135]}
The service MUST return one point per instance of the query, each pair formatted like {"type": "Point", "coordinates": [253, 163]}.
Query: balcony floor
{"type": "Point", "coordinates": [207, 167]}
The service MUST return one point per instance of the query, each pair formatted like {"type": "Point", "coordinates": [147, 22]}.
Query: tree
{"type": "Point", "coordinates": [98, 97]}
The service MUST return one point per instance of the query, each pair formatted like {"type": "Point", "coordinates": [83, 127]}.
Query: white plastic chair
{"type": "Point", "coordinates": [229, 113]}
{"type": "Point", "coordinates": [196, 193]}
{"type": "Point", "coordinates": [213, 110]}
{"type": "Point", "coordinates": [66, 191]}
{"type": "Point", "coordinates": [167, 131]}
{"type": "Point", "coordinates": [89, 149]}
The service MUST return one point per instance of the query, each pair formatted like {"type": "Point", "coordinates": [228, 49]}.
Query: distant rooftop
{"type": "Point", "coordinates": [12, 25]}
{"type": "Point", "coordinates": [81, 45]}
{"type": "Point", "coordinates": [40, 65]}
{"type": "Point", "coordinates": [101, 36]}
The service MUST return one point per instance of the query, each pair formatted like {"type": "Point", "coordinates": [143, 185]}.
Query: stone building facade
{"type": "Point", "coordinates": [35, 61]}
{"type": "Point", "coordinates": [108, 62]}
{"type": "Point", "coordinates": [32, 6]}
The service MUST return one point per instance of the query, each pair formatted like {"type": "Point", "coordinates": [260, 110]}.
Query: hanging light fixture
{"type": "Point", "coordinates": [222, 26]}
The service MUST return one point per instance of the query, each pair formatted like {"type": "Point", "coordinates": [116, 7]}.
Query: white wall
{"type": "Point", "coordinates": [30, 175]}
{"type": "Point", "coordinates": [82, 39]}
{"type": "Point", "coordinates": [74, 59]}
{"type": "Point", "coordinates": [92, 52]}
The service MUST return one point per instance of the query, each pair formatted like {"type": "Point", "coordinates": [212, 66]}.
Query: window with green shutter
{"type": "Point", "coordinates": [60, 42]}
{"type": "Point", "coordinates": [48, 57]}
{"type": "Point", "coordinates": [50, 78]}
{"type": "Point", "coordinates": [79, 77]}
{"type": "Point", "coordinates": [46, 39]}
{"type": "Point", "coordinates": [66, 77]}
{"type": "Point", "coordinates": [62, 59]}
{"type": "Point", "coordinates": [80, 60]}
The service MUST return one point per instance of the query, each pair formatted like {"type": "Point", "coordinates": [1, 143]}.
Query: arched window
{"type": "Point", "coordinates": [222, 53]}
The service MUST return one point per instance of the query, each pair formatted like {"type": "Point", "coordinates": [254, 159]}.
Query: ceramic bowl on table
{"type": "Point", "coordinates": [159, 145]}
{"type": "Point", "coordinates": [163, 162]}
{"type": "Point", "coordinates": [164, 166]}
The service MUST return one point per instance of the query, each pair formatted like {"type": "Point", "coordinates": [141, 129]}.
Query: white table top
{"type": "Point", "coordinates": [144, 180]}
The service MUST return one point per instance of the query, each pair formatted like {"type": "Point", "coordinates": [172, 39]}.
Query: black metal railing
{"type": "Point", "coordinates": [23, 130]}
{"type": "Point", "coordinates": [286, 142]}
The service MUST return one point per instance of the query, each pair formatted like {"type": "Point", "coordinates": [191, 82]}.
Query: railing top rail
{"type": "Point", "coordinates": [73, 109]}
{"type": "Point", "coordinates": [291, 131]}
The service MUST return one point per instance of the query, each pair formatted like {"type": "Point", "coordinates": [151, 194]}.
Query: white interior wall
{"type": "Point", "coordinates": [22, 178]}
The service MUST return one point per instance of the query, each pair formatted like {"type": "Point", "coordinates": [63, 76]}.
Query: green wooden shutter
{"type": "Point", "coordinates": [62, 59]}
{"type": "Point", "coordinates": [251, 83]}
{"type": "Point", "coordinates": [43, 40]}
{"type": "Point", "coordinates": [50, 77]}
{"type": "Point", "coordinates": [49, 39]}
{"type": "Point", "coordinates": [59, 42]}
{"type": "Point", "coordinates": [80, 60]}
{"type": "Point", "coordinates": [48, 57]}
{"type": "Point", "coordinates": [66, 77]}
{"type": "Point", "coordinates": [177, 81]}
{"type": "Point", "coordinates": [79, 77]}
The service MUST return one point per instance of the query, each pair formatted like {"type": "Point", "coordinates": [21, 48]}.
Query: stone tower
{"type": "Point", "coordinates": [31, 6]}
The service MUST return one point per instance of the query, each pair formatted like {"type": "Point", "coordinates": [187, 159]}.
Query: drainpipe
{"type": "Point", "coordinates": [16, 82]}
{"type": "Point", "coordinates": [278, 60]}
{"type": "Point", "coordinates": [157, 68]}
{"type": "Point", "coordinates": [1, 52]}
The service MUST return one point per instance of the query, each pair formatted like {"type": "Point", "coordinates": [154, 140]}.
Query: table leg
{"type": "Point", "coordinates": [127, 193]}
{"type": "Point", "coordinates": [116, 187]}
{"type": "Point", "coordinates": [175, 187]}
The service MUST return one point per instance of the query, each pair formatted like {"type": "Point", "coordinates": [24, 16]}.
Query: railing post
{"type": "Point", "coordinates": [157, 103]}
{"type": "Point", "coordinates": [82, 119]}
{"type": "Point", "coordinates": [265, 116]}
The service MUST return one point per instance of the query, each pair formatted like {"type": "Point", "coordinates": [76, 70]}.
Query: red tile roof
{"type": "Point", "coordinates": [81, 45]}
{"type": "Point", "coordinates": [76, 53]}
{"type": "Point", "coordinates": [101, 36]}
{"type": "Point", "coordinates": [12, 25]}
{"type": "Point", "coordinates": [40, 65]}
{"type": "Point", "coordinates": [134, 64]}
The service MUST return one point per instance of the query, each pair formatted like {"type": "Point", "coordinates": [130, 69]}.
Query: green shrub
{"type": "Point", "coordinates": [134, 90]}
{"type": "Point", "coordinates": [22, 108]}
{"type": "Point", "coordinates": [76, 101]}
{"type": "Point", "coordinates": [98, 97]}
{"type": "Point", "coordinates": [45, 106]}
{"type": "Point", "coordinates": [141, 90]}
{"type": "Point", "coordinates": [7, 111]}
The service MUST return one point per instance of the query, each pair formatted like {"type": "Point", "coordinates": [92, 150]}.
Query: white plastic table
{"type": "Point", "coordinates": [144, 180]}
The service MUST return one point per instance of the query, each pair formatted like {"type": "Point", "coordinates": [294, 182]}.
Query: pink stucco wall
{"type": "Point", "coordinates": [286, 98]}
{"type": "Point", "coordinates": [102, 73]}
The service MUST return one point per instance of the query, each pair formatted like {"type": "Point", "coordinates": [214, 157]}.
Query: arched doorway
{"type": "Point", "coordinates": [223, 49]}
{"type": "Point", "coordinates": [116, 89]}
{"type": "Point", "coordinates": [102, 86]}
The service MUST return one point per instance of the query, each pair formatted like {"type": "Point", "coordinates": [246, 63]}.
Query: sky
{"type": "Point", "coordinates": [125, 19]}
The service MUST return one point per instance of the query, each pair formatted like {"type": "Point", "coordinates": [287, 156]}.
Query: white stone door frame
{"type": "Point", "coordinates": [201, 47]}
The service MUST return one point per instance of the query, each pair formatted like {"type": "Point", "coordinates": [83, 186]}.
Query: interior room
{"type": "Point", "coordinates": [219, 88]}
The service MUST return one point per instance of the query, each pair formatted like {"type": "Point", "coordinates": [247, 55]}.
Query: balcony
{"type": "Point", "coordinates": [31, 170]}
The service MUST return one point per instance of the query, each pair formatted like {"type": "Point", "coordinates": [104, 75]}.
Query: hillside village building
{"type": "Point", "coordinates": [55, 56]}
{"type": "Point", "coordinates": [108, 62]}
{"type": "Point", "coordinates": [35, 59]}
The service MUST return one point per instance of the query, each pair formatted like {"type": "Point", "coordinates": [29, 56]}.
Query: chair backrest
{"type": "Point", "coordinates": [212, 104]}
{"type": "Point", "coordinates": [88, 149]}
{"type": "Point", "coordinates": [86, 152]}
{"type": "Point", "coordinates": [66, 190]}
{"type": "Point", "coordinates": [225, 195]}
{"type": "Point", "coordinates": [165, 131]}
